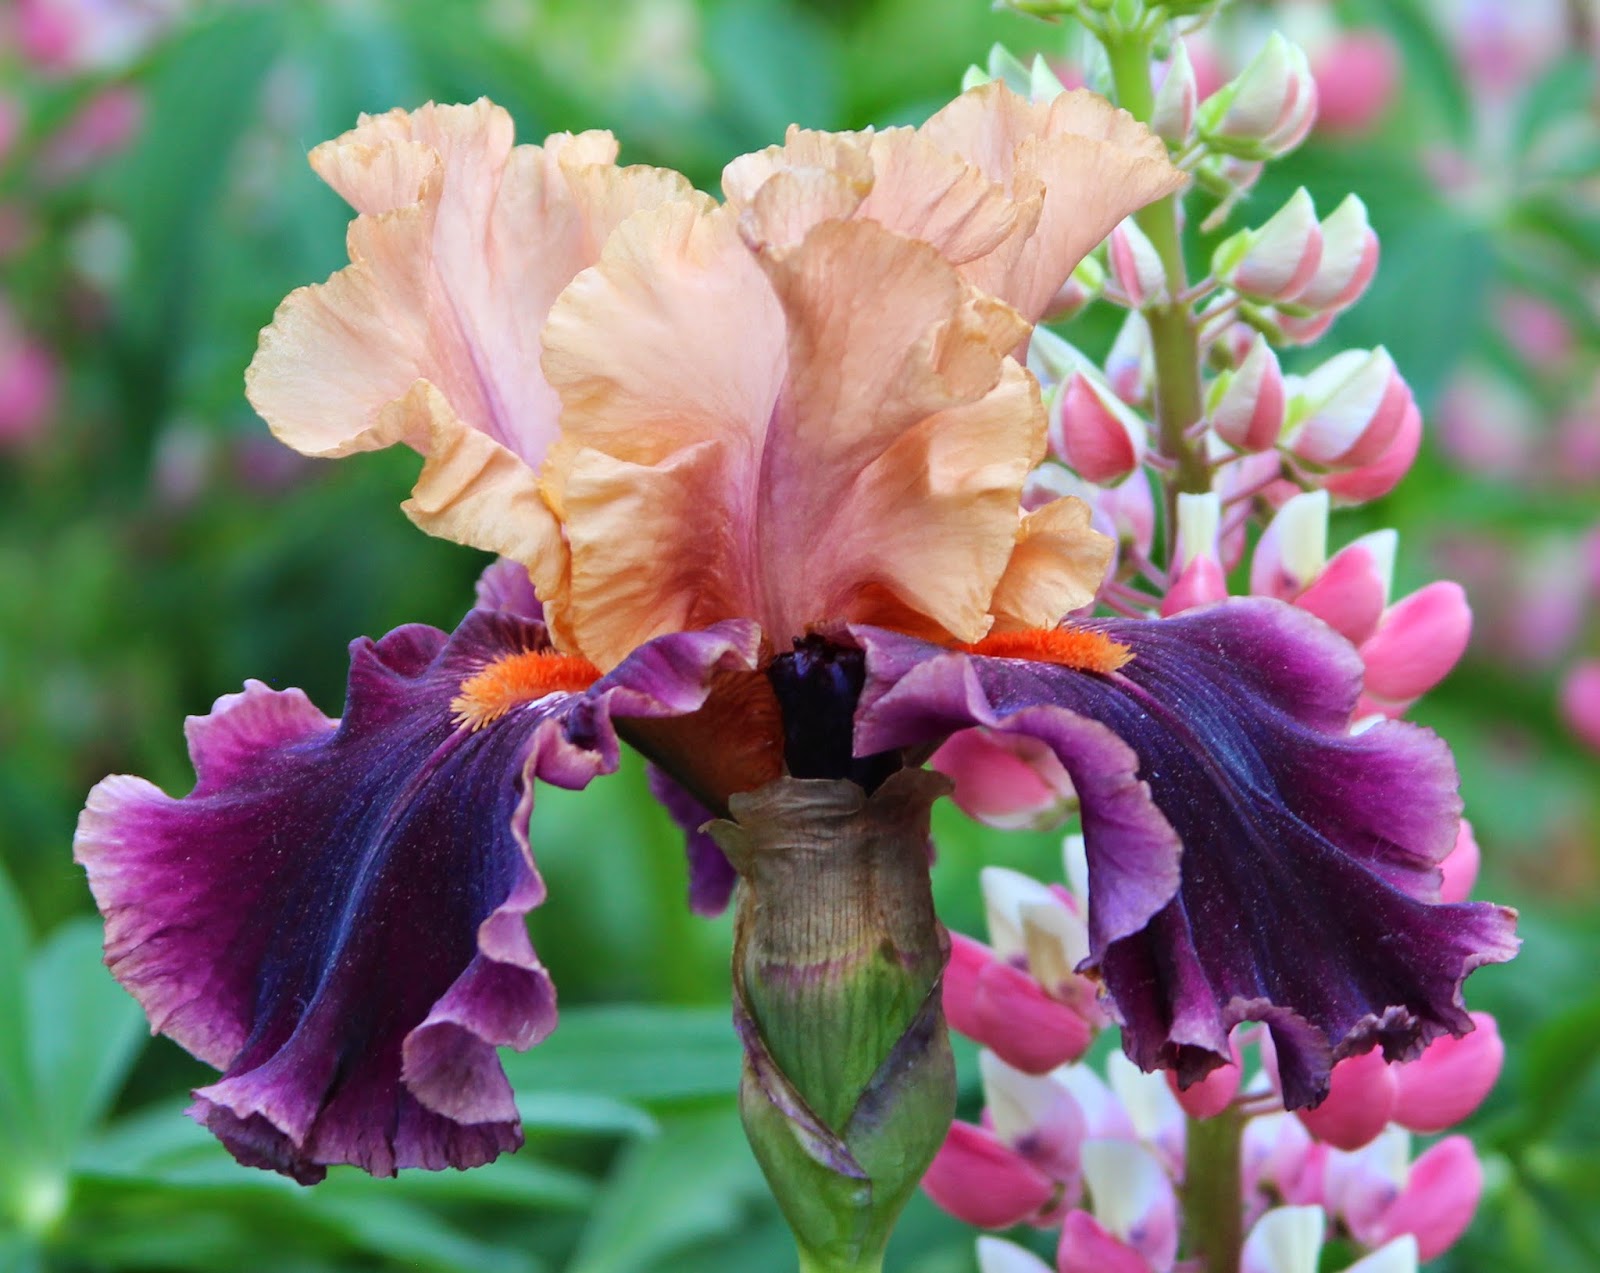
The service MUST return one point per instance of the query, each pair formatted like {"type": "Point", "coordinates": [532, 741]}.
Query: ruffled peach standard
{"type": "Point", "coordinates": [1013, 192]}
{"type": "Point", "coordinates": [829, 430]}
{"type": "Point", "coordinates": [430, 337]}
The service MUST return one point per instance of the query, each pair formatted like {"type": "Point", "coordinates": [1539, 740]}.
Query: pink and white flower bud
{"type": "Point", "coordinates": [982, 1181]}
{"type": "Point", "coordinates": [1293, 549]}
{"type": "Point", "coordinates": [1372, 481]}
{"type": "Point", "coordinates": [1247, 406]}
{"type": "Point", "coordinates": [996, 1255]}
{"type": "Point", "coordinates": [1036, 1116]}
{"type": "Point", "coordinates": [1580, 702]}
{"type": "Point", "coordinates": [1450, 1079]}
{"type": "Point", "coordinates": [1436, 1204]}
{"type": "Point", "coordinates": [1278, 260]}
{"type": "Point", "coordinates": [1136, 265]}
{"type": "Point", "coordinates": [1088, 1247]}
{"type": "Point", "coordinates": [1003, 1008]}
{"type": "Point", "coordinates": [1212, 1094]}
{"type": "Point", "coordinates": [1285, 1240]}
{"type": "Point", "coordinates": [1351, 591]}
{"type": "Point", "coordinates": [1357, 73]}
{"type": "Point", "coordinates": [1349, 410]}
{"type": "Point", "coordinates": [1349, 258]}
{"type": "Point", "coordinates": [1267, 109]}
{"type": "Point", "coordinates": [1301, 329]}
{"type": "Point", "coordinates": [1419, 639]}
{"type": "Point", "coordinates": [1459, 870]}
{"type": "Point", "coordinates": [1200, 579]}
{"type": "Point", "coordinates": [1132, 1199]}
{"type": "Point", "coordinates": [1005, 780]}
{"type": "Point", "coordinates": [1094, 433]}
{"type": "Point", "coordinates": [1130, 364]}
{"type": "Point", "coordinates": [1176, 100]}
{"type": "Point", "coordinates": [1360, 1102]}
{"type": "Point", "coordinates": [1083, 285]}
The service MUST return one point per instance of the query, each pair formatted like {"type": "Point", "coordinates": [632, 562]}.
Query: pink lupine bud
{"type": "Point", "coordinates": [1349, 258]}
{"type": "Point", "coordinates": [1580, 702]}
{"type": "Point", "coordinates": [1052, 358]}
{"type": "Point", "coordinates": [1419, 639]}
{"type": "Point", "coordinates": [1278, 260]}
{"type": "Point", "coordinates": [983, 1182]}
{"type": "Point", "coordinates": [1285, 1240]}
{"type": "Point", "coordinates": [1087, 1247]}
{"type": "Point", "coordinates": [1005, 780]}
{"type": "Point", "coordinates": [1037, 1117]}
{"type": "Point", "coordinates": [1093, 433]}
{"type": "Point", "coordinates": [1246, 407]}
{"type": "Point", "coordinates": [1356, 75]}
{"type": "Point", "coordinates": [1438, 1200]}
{"type": "Point", "coordinates": [1371, 481]}
{"type": "Point", "coordinates": [1534, 327]}
{"type": "Point", "coordinates": [1278, 1154]}
{"type": "Point", "coordinates": [1083, 285]}
{"type": "Point", "coordinates": [996, 1255]}
{"type": "Point", "coordinates": [30, 386]}
{"type": "Point", "coordinates": [1359, 1104]}
{"type": "Point", "coordinates": [1267, 109]}
{"type": "Point", "coordinates": [1131, 361]}
{"type": "Point", "coordinates": [1302, 329]}
{"type": "Point", "coordinates": [1350, 593]}
{"type": "Point", "coordinates": [1486, 424]}
{"type": "Point", "coordinates": [1459, 870]}
{"type": "Point", "coordinates": [1200, 579]}
{"type": "Point", "coordinates": [1293, 549]}
{"type": "Point", "coordinates": [1176, 99]}
{"type": "Point", "coordinates": [1450, 1079]}
{"type": "Point", "coordinates": [1136, 265]}
{"type": "Point", "coordinates": [1349, 410]}
{"type": "Point", "coordinates": [104, 125]}
{"type": "Point", "coordinates": [1005, 1009]}
{"type": "Point", "coordinates": [1212, 1094]}
{"type": "Point", "coordinates": [1132, 1198]}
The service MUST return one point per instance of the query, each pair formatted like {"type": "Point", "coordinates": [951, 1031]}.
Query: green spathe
{"type": "Point", "coordinates": [848, 1085]}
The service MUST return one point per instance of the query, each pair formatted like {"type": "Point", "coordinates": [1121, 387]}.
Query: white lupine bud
{"type": "Point", "coordinates": [1177, 100]}
{"type": "Point", "coordinates": [1136, 265]}
{"type": "Point", "coordinates": [1278, 260]}
{"type": "Point", "coordinates": [1247, 406]}
{"type": "Point", "coordinates": [1349, 258]}
{"type": "Point", "coordinates": [1267, 109]}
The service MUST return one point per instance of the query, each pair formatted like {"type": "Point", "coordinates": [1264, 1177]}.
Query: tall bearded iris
{"type": "Point", "coordinates": [755, 472]}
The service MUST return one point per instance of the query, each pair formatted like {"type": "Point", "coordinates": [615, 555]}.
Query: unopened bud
{"type": "Point", "coordinates": [1247, 406]}
{"type": "Point", "coordinates": [1370, 481]}
{"type": "Point", "coordinates": [1267, 109]}
{"type": "Point", "coordinates": [1359, 1104]}
{"type": "Point", "coordinates": [1200, 579]}
{"type": "Point", "coordinates": [1450, 1079]}
{"type": "Point", "coordinates": [1094, 433]}
{"type": "Point", "coordinates": [1083, 285]}
{"type": "Point", "coordinates": [1419, 639]}
{"type": "Point", "coordinates": [1349, 258]}
{"type": "Point", "coordinates": [1349, 410]}
{"type": "Point", "coordinates": [982, 1181]}
{"type": "Point", "coordinates": [1130, 366]}
{"type": "Point", "coordinates": [1005, 1009]}
{"type": "Point", "coordinates": [1136, 265]}
{"type": "Point", "coordinates": [1293, 548]}
{"type": "Point", "coordinates": [1350, 593]}
{"type": "Point", "coordinates": [1177, 99]}
{"type": "Point", "coordinates": [1277, 261]}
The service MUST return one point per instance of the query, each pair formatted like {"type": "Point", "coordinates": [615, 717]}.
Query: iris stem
{"type": "Point", "coordinates": [1213, 1209]}
{"type": "Point", "coordinates": [1174, 328]}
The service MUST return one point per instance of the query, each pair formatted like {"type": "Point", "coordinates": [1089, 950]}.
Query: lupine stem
{"type": "Point", "coordinates": [1213, 1211]}
{"type": "Point", "coordinates": [1174, 330]}
{"type": "Point", "coordinates": [1212, 1205]}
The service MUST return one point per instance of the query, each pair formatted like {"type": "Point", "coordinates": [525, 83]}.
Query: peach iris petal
{"type": "Point", "coordinates": [1057, 566]}
{"type": "Point", "coordinates": [824, 431]}
{"type": "Point", "coordinates": [1094, 162]}
{"type": "Point", "coordinates": [430, 337]}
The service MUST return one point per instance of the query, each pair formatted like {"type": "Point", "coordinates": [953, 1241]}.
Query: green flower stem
{"type": "Point", "coordinates": [1174, 330]}
{"type": "Point", "coordinates": [1213, 1209]}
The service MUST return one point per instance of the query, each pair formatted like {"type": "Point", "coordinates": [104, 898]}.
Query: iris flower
{"type": "Point", "coordinates": [754, 471]}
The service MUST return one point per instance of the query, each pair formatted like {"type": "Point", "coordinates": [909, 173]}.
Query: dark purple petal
{"type": "Point", "coordinates": [334, 916]}
{"type": "Point", "coordinates": [1307, 896]}
{"type": "Point", "coordinates": [711, 875]}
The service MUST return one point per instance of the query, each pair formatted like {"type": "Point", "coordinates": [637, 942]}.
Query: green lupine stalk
{"type": "Point", "coordinates": [849, 1085]}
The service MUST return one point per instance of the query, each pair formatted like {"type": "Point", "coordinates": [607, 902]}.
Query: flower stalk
{"type": "Point", "coordinates": [849, 1084]}
{"type": "Point", "coordinates": [1213, 1208]}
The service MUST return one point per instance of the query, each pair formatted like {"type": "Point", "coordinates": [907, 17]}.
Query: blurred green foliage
{"type": "Point", "coordinates": [155, 550]}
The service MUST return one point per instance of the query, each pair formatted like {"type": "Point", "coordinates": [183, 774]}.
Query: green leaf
{"type": "Point", "coordinates": [637, 1052]}
{"type": "Point", "coordinates": [84, 1033]}
{"type": "Point", "coordinates": [413, 1237]}
{"type": "Point", "coordinates": [582, 1112]}
{"type": "Point", "coordinates": [775, 66]}
{"type": "Point", "coordinates": [694, 1181]}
